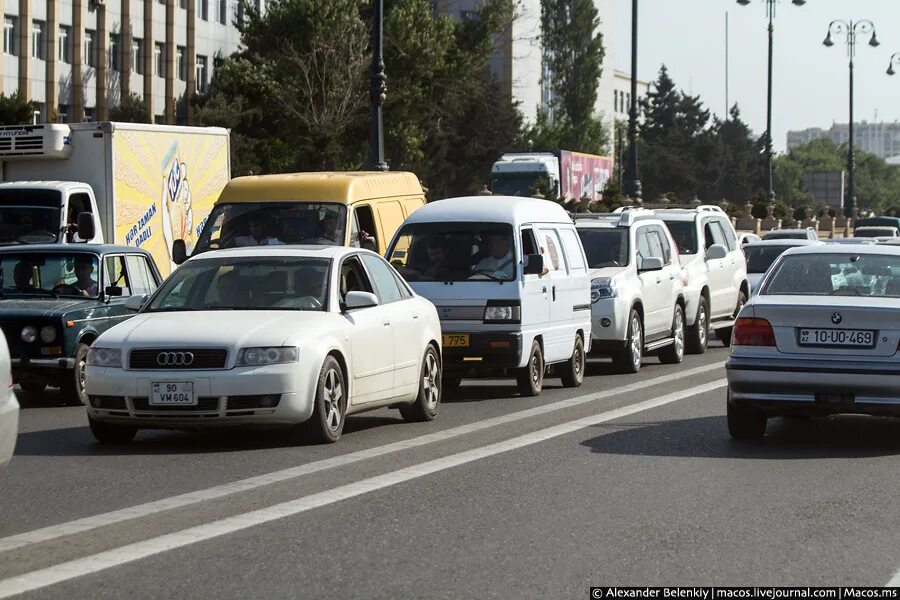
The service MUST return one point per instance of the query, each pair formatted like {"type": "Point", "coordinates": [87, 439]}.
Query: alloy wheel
{"type": "Point", "coordinates": [431, 381]}
{"type": "Point", "coordinates": [637, 341]}
{"type": "Point", "coordinates": [334, 397]}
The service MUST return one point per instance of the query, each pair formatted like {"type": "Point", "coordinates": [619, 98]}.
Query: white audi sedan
{"type": "Point", "coordinates": [271, 336]}
{"type": "Point", "coordinates": [9, 407]}
{"type": "Point", "coordinates": [820, 338]}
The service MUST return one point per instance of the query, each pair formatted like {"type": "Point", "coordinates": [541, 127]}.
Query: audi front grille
{"type": "Point", "coordinates": [177, 358]}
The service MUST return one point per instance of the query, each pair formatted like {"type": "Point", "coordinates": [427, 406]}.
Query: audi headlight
{"type": "Point", "coordinates": [29, 334]}
{"type": "Point", "coordinates": [254, 357]}
{"type": "Point", "coordinates": [507, 313]}
{"type": "Point", "coordinates": [48, 334]}
{"type": "Point", "coordinates": [104, 357]}
{"type": "Point", "coordinates": [603, 287]}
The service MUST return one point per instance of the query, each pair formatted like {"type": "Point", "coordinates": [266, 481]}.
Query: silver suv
{"type": "Point", "coordinates": [717, 285]}
{"type": "Point", "coordinates": [637, 299]}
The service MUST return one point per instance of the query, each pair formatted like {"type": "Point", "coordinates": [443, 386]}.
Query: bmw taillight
{"type": "Point", "coordinates": [752, 332]}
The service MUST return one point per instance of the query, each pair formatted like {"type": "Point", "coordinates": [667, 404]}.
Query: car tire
{"type": "Point", "coordinates": [629, 358]}
{"type": "Point", "coordinates": [531, 376]}
{"type": "Point", "coordinates": [745, 423]}
{"type": "Point", "coordinates": [697, 338]}
{"type": "Point", "coordinates": [573, 369]}
{"type": "Point", "coordinates": [724, 334]}
{"type": "Point", "coordinates": [32, 387]}
{"type": "Point", "coordinates": [111, 433]}
{"type": "Point", "coordinates": [426, 404]}
{"type": "Point", "coordinates": [330, 411]}
{"type": "Point", "coordinates": [72, 389]}
{"type": "Point", "coordinates": [673, 354]}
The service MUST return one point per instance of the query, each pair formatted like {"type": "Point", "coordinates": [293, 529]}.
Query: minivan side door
{"type": "Point", "coordinates": [535, 294]}
{"type": "Point", "coordinates": [577, 290]}
{"type": "Point", "coordinates": [558, 336]}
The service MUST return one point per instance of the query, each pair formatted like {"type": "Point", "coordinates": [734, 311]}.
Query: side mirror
{"type": "Point", "coordinates": [716, 252]}
{"type": "Point", "coordinates": [179, 252]}
{"type": "Point", "coordinates": [368, 243]}
{"type": "Point", "coordinates": [534, 264]}
{"type": "Point", "coordinates": [360, 300]}
{"type": "Point", "coordinates": [113, 290]}
{"type": "Point", "coordinates": [651, 263]}
{"type": "Point", "coordinates": [86, 229]}
{"type": "Point", "coordinates": [135, 303]}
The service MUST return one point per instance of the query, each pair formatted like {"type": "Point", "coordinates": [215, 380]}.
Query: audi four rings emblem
{"type": "Point", "coordinates": [174, 359]}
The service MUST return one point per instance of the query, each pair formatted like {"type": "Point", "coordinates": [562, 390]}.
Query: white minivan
{"type": "Point", "coordinates": [510, 282]}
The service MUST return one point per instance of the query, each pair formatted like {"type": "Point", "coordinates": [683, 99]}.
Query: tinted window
{"type": "Point", "coordinates": [529, 245]}
{"type": "Point", "coordinates": [685, 235]}
{"type": "Point", "coordinates": [383, 278]}
{"type": "Point", "coordinates": [573, 249]}
{"type": "Point", "coordinates": [604, 247]}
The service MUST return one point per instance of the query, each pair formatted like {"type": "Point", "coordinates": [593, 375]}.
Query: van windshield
{"type": "Point", "coordinates": [29, 216]}
{"type": "Point", "coordinates": [455, 252]}
{"type": "Point", "coordinates": [274, 224]}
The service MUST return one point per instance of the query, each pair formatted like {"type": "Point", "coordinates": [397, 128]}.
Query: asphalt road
{"type": "Point", "coordinates": [629, 480]}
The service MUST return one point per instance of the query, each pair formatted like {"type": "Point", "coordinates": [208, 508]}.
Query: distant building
{"type": "Point", "coordinates": [622, 93]}
{"type": "Point", "coordinates": [878, 138]}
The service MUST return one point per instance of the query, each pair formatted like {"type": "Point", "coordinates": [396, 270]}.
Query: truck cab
{"type": "Point", "coordinates": [517, 174]}
{"type": "Point", "coordinates": [48, 212]}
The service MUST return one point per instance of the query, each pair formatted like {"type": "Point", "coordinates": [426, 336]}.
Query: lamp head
{"type": "Point", "coordinates": [743, 2]}
{"type": "Point", "coordinates": [828, 42]}
{"type": "Point", "coordinates": [891, 70]}
{"type": "Point", "coordinates": [799, 2]}
{"type": "Point", "coordinates": [874, 41]}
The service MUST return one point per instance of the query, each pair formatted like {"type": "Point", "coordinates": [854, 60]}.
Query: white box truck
{"type": "Point", "coordinates": [118, 183]}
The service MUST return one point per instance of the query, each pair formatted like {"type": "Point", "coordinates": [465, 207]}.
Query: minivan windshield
{"type": "Point", "coordinates": [29, 216]}
{"type": "Point", "coordinates": [455, 252]}
{"type": "Point", "coordinates": [273, 224]}
{"type": "Point", "coordinates": [604, 247]}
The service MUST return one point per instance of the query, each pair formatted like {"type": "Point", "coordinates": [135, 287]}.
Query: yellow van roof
{"type": "Point", "coordinates": [342, 187]}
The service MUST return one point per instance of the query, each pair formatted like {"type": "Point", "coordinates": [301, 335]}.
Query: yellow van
{"type": "Point", "coordinates": [347, 209]}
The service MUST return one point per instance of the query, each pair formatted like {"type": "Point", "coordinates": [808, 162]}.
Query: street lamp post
{"type": "Point", "coordinates": [770, 13]}
{"type": "Point", "coordinates": [632, 181]}
{"type": "Point", "coordinates": [377, 89]}
{"type": "Point", "coordinates": [851, 29]}
{"type": "Point", "coordinates": [895, 60]}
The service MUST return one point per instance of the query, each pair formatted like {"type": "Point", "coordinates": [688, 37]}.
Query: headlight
{"type": "Point", "coordinates": [603, 287]}
{"type": "Point", "coordinates": [104, 357]}
{"type": "Point", "coordinates": [254, 357]}
{"type": "Point", "coordinates": [503, 313]}
{"type": "Point", "coordinates": [48, 334]}
{"type": "Point", "coordinates": [29, 334]}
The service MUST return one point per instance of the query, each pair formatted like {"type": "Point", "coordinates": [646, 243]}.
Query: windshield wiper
{"type": "Point", "coordinates": [489, 274]}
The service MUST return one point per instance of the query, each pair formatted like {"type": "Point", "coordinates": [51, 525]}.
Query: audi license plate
{"type": "Point", "coordinates": [176, 393]}
{"type": "Point", "coordinates": [853, 338]}
{"type": "Point", "coordinates": [456, 340]}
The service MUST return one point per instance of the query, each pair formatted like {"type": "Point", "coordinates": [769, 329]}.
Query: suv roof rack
{"type": "Point", "coordinates": [697, 207]}
{"type": "Point", "coordinates": [621, 217]}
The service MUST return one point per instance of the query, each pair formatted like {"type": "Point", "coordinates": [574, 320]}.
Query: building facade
{"type": "Point", "coordinates": [622, 94]}
{"type": "Point", "coordinates": [878, 138]}
{"type": "Point", "coordinates": [75, 59]}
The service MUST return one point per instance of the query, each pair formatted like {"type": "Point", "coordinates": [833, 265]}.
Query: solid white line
{"type": "Point", "coordinates": [149, 508]}
{"type": "Point", "coordinates": [118, 556]}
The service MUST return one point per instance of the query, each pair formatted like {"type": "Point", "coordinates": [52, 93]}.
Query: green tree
{"type": "Point", "coordinates": [14, 110]}
{"type": "Point", "coordinates": [130, 109]}
{"type": "Point", "coordinates": [737, 159]}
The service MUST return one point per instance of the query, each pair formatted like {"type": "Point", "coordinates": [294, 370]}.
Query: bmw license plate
{"type": "Point", "coordinates": [849, 338]}
{"type": "Point", "coordinates": [176, 393]}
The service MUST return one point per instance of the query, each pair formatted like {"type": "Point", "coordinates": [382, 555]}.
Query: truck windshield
{"type": "Point", "coordinates": [29, 216]}
{"type": "Point", "coordinates": [604, 247]}
{"type": "Point", "coordinates": [516, 184]}
{"type": "Point", "coordinates": [50, 274]}
{"type": "Point", "coordinates": [274, 223]}
{"type": "Point", "coordinates": [455, 252]}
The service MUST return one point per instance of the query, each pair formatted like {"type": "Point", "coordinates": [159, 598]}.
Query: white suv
{"type": "Point", "coordinates": [637, 299]}
{"type": "Point", "coordinates": [717, 285]}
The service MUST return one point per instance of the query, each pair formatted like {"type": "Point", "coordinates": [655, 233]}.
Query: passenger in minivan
{"type": "Point", "coordinates": [500, 261]}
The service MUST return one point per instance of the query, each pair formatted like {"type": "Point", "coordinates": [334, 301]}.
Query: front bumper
{"type": "Point", "coordinates": [212, 389]}
{"type": "Point", "coordinates": [486, 352]}
{"type": "Point", "coordinates": [42, 363]}
{"type": "Point", "coordinates": [781, 385]}
{"type": "Point", "coordinates": [9, 428]}
{"type": "Point", "coordinates": [609, 320]}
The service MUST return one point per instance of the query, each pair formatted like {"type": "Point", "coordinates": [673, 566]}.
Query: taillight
{"type": "Point", "coordinates": [752, 332]}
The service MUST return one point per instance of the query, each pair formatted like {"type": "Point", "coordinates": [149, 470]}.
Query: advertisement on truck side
{"type": "Point", "coordinates": [165, 187]}
{"type": "Point", "coordinates": [583, 175]}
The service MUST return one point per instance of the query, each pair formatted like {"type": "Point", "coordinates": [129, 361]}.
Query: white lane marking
{"type": "Point", "coordinates": [129, 553]}
{"type": "Point", "coordinates": [149, 508]}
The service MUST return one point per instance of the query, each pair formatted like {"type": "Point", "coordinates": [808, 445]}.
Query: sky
{"type": "Point", "coordinates": [811, 85]}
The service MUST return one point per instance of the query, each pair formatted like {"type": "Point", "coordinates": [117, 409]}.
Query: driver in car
{"type": "Point", "coordinates": [500, 262]}
{"type": "Point", "coordinates": [22, 274]}
{"type": "Point", "coordinates": [84, 268]}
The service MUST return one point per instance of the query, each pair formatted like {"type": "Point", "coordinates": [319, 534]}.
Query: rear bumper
{"type": "Point", "coordinates": [9, 428]}
{"type": "Point", "coordinates": [839, 387]}
{"type": "Point", "coordinates": [486, 352]}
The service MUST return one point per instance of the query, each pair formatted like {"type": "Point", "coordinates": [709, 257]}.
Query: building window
{"type": "Point", "coordinates": [62, 113]}
{"type": "Point", "coordinates": [180, 63]}
{"type": "Point", "coordinates": [9, 35]}
{"type": "Point", "coordinates": [114, 59]}
{"type": "Point", "coordinates": [203, 9]}
{"type": "Point", "coordinates": [90, 47]}
{"type": "Point", "coordinates": [64, 52]}
{"type": "Point", "coordinates": [38, 40]}
{"type": "Point", "coordinates": [89, 113]}
{"type": "Point", "coordinates": [222, 17]}
{"type": "Point", "coordinates": [137, 55]}
{"type": "Point", "coordinates": [159, 60]}
{"type": "Point", "coordinates": [217, 63]}
{"type": "Point", "coordinates": [201, 74]}
{"type": "Point", "coordinates": [470, 16]}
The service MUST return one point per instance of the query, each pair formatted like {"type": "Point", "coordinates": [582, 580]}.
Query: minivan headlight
{"type": "Point", "coordinates": [506, 313]}
{"type": "Point", "coordinates": [255, 357]}
{"type": "Point", "coordinates": [603, 287]}
{"type": "Point", "coordinates": [104, 357]}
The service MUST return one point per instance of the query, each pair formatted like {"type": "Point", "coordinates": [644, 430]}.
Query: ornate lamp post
{"type": "Point", "coordinates": [377, 89]}
{"type": "Point", "coordinates": [895, 60]}
{"type": "Point", "coordinates": [851, 30]}
{"type": "Point", "coordinates": [632, 180]}
{"type": "Point", "coordinates": [770, 13]}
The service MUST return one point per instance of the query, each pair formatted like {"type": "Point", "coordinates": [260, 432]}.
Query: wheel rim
{"type": "Point", "coordinates": [431, 381]}
{"type": "Point", "coordinates": [702, 325]}
{"type": "Point", "coordinates": [679, 334]}
{"type": "Point", "coordinates": [579, 361]}
{"type": "Point", "coordinates": [82, 376]}
{"type": "Point", "coordinates": [741, 302]}
{"type": "Point", "coordinates": [535, 369]}
{"type": "Point", "coordinates": [636, 341]}
{"type": "Point", "coordinates": [334, 397]}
